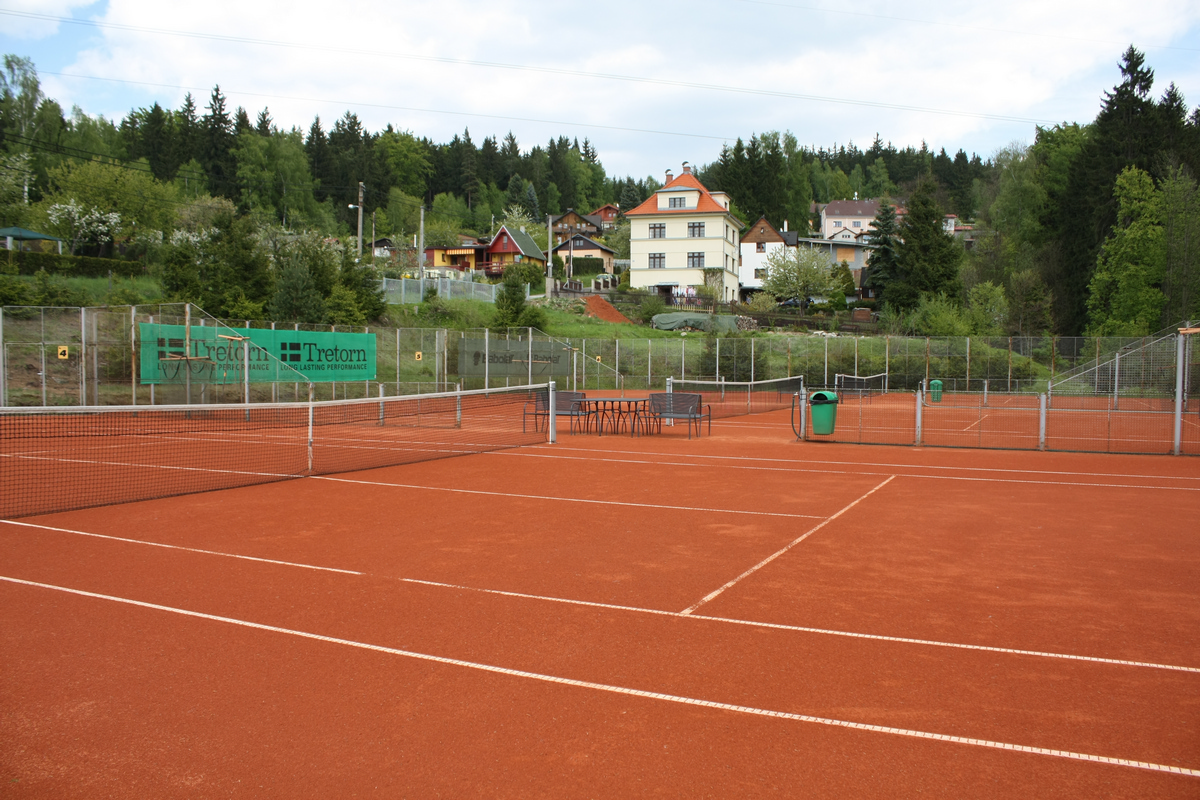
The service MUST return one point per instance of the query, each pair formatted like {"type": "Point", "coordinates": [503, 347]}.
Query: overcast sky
{"type": "Point", "coordinates": [651, 83]}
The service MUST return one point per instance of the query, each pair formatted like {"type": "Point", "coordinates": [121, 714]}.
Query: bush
{"type": "Point", "coordinates": [31, 262]}
{"type": "Point", "coordinates": [650, 306]}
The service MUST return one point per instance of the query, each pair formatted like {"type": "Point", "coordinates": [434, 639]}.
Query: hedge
{"type": "Point", "coordinates": [28, 262]}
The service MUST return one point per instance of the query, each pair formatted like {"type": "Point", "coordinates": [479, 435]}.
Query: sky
{"type": "Point", "coordinates": [652, 84]}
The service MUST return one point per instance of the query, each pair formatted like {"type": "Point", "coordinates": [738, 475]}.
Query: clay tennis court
{"type": "Point", "coordinates": [735, 615]}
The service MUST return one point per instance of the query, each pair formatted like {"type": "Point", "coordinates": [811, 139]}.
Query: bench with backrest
{"type": "Point", "coordinates": [566, 404]}
{"type": "Point", "coordinates": [677, 405]}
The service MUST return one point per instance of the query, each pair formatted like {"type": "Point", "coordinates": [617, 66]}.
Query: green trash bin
{"type": "Point", "coordinates": [824, 412]}
{"type": "Point", "coordinates": [935, 391]}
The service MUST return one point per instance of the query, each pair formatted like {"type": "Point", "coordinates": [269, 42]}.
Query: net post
{"type": "Point", "coordinates": [311, 391]}
{"type": "Point", "coordinates": [458, 406]}
{"type": "Point", "coordinates": [1179, 365]}
{"type": "Point", "coordinates": [1043, 404]}
{"type": "Point", "coordinates": [132, 358]}
{"type": "Point", "coordinates": [985, 390]}
{"type": "Point", "coordinates": [486, 358]}
{"type": "Point", "coordinates": [4, 364]}
{"type": "Point", "coordinates": [246, 375]}
{"type": "Point", "coordinates": [1117, 380]}
{"type": "Point", "coordinates": [920, 395]}
{"type": "Point", "coordinates": [552, 423]}
{"type": "Point", "coordinates": [381, 405]}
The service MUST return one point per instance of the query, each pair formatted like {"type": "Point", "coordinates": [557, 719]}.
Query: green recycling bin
{"type": "Point", "coordinates": [935, 391]}
{"type": "Point", "coordinates": [824, 412]}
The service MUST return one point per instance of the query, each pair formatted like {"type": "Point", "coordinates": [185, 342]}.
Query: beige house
{"type": "Point", "coordinates": [684, 236]}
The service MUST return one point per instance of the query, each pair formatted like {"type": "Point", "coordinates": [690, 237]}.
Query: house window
{"type": "Point", "coordinates": [760, 274]}
{"type": "Point", "coordinates": [695, 261]}
{"type": "Point", "coordinates": [677, 202]}
{"type": "Point", "coordinates": [761, 247]}
{"type": "Point", "coordinates": [696, 230]}
{"type": "Point", "coordinates": [837, 223]}
{"type": "Point", "coordinates": [658, 260]}
{"type": "Point", "coordinates": [856, 223]}
{"type": "Point", "coordinates": [658, 230]}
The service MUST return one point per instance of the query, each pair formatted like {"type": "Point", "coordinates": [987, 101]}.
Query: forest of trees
{"type": "Point", "coordinates": [1055, 230]}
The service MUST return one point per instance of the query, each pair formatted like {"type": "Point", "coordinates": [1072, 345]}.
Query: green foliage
{"type": "Point", "coordinates": [341, 307]}
{"type": "Point", "coordinates": [650, 305]}
{"type": "Point", "coordinates": [28, 262]}
{"type": "Point", "coordinates": [798, 273]}
{"type": "Point", "coordinates": [1124, 296]}
{"type": "Point", "coordinates": [363, 284]}
{"type": "Point", "coordinates": [1029, 304]}
{"type": "Point", "coordinates": [927, 258]}
{"type": "Point", "coordinates": [987, 309]}
{"type": "Point", "coordinates": [51, 290]}
{"type": "Point", "coordinates": [14, 292]}
{"type": "Point", "coordinates": [843, 280]}
{"type": "Point", "coordinates": [510, 301]}
{"type": "Point", "coordinates": [1181, 246]}
{"type": "Point", "coordinates": [938, 315]}
{"type": "Point", "coordinates": [296, 297]}
{"type": "Point", "coordinates": [762, 303]}
{"type": "Point", "coordinates": [237, 306]}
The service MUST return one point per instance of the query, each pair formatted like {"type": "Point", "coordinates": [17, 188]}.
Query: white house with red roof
{"type": "Point", "coordinates": [684, 236]}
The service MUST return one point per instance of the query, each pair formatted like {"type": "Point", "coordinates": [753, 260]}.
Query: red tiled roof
{"type": "Point", "coordinates": [685, 181]}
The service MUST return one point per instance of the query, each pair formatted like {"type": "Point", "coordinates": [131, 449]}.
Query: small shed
{"type": "Point", "coordinates": [23, 235]}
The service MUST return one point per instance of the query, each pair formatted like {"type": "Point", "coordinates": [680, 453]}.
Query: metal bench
{"type": "Point", "coordinates": [677, 405]}
{"type": "Point", "coordinates": [566, 404]}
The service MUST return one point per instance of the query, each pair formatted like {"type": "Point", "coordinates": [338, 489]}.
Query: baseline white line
{"type": "Point", "coordinates": [713, 594]}
{"type": "Point", "coordinates": [865, 472]}
{"type": "Point", "coordinates": [621, 690]}
{"type": "Point", "coordinates": [976, 422]}
{"type": "Point", "coordinates": [560, 447]}
{"type": "Point", "coordinates": [634, 609]}
{"type": "Point", "coordinates": [564, 499]}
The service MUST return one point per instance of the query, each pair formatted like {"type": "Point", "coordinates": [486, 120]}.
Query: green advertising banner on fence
{"type": "Point", "coordinates": [504, 358]}
{"type": "Point", "coordinates": [217, 358]}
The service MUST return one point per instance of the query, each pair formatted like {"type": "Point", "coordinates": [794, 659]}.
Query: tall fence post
{"type": "Point", "coordinates": [1179, 370]}
{"type": "Point", "coordinates": [718, 375]}
{"type": "Point", "coordinates": [1042, 405]}
{"type": "Point", "coordinates": [650, 365]}
{"type": "Point", "coordinates": [133, 355]}
{"type": "Point", "coordinates": [311, 392]}
{"type": "Point", "coordinates": [83, 356]}
{"type": "Point", "coordinates": [1117, 380]}
{"type": "Point", "coordinates": [4, 364]}
{"type": "Point", "coordinates": [920, 395]}
{"type": "Point", "coordinates": [752, 363]}
{"type": "Point", "coordinates": [486, 375]}
{"type": "Point", "coordinates": [530, 362]}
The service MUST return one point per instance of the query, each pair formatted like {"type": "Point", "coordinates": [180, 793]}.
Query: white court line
{"type": "Point", "coordinates": [621, 690]}
{"type": "Point", "coordinates": [525, 454]}
{"type": "Point", "coordinates": [560, 447]}
{"type": "Point", "coordinates": [564, 499]}
{"type": "Point", "coordinates": [634, 609]}
{"type": "Point", "coordinates": [713, 594]}
{"type": "Point", "coordinates": [978, 421]}
{"type": "Point", "coordinates": [153, 466]}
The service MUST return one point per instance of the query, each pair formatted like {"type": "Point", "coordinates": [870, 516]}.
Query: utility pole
{"type": "Point", "coordinates": [360, 201]}
{"type": "Point", "coordinates": [421, 244]}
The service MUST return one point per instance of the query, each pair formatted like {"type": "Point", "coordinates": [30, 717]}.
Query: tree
{"type": "Point", "coordinates": [341, 307]}
{"type": "Point", "coordinates": [927, 258]}
{"type": "Point", "coordinates": [217, 148]}
{"type": "Point", "coordinates": [987, 309]}
{"type": "Point", "coordinates": [1124, 298]}
{"type": "Point", "coordinates": [883, 266]}
{"type": "Point", "coordinates": [510, 301]}
{"type": "Point", "coordinates": [1029, 304]}
{"type": "Point", "coordinates": [296, 298]}
{"type": "Point", "coordinates": [1181, 241]}
{"type": "Point", "coordinates": [798, 273]}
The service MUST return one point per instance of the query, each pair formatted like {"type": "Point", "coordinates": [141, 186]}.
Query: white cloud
{"type": "Point", "coordinates": [36, 26]}
{"type": "Point", "coordinates": [1022, 59]}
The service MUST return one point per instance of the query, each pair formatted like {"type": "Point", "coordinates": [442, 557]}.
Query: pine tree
{"type": "Point", "coordinates": [883, 264]}
{"type": "Point", "coordinates": [296, 298]}
{"type": "Point", "coordinates": [189, 127]}
{"type": "Point", "coordinates": [264, 125]}
{"type": "Point", "coordinates": [510, 301]}
{"type": "Point", "coordinates": [241, 122]}
{"type": "Point", "coordinates": [217, 148]}
{"type": "Point", "coordinates": [927, 259]}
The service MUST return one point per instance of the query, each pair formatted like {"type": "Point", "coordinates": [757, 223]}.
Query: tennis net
{"type": "Point", "coordinates": [860, 385]}
{"type": "Point", "coordinates": [736, 398]}
{"type": "Point", "coordinates": [59, 459]}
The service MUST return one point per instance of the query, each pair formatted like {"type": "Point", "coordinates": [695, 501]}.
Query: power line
{"type": "Point", "coordinates": [844, 12]}
{"type": "Point", "coordinates": [359, 53]}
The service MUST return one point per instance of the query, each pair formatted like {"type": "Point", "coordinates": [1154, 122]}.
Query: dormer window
{"type": "Point", "coordinates": [677, 202]}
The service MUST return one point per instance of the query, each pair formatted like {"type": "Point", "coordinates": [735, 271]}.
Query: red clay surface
{"type": "Point", "coordinates": [600, 308]}
{"type": "Point", "coordinates": [573, 562]}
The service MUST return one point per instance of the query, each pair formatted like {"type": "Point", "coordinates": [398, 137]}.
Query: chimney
{"type": "Point", "coordinates": [687, 168]}
{"type": "Point", "coordinates": [785, 226]}
{"type": "Point", "coordinates": [522, 229]}
{"type": "Point", "coordinates": [669, 176]}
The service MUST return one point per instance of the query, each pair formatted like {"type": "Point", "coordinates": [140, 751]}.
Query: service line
{"type": "Point", "coordinates": [713, 594]}
{"type": "Point", "coordinates": [632, 609]}
{"type": "Point", "coordinates": [621, 690]}
{"type": "Point", "coordinates": [565, 499]}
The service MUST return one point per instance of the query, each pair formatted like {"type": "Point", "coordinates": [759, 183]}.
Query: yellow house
{"type": "Point", "coordinates": [684, 236]}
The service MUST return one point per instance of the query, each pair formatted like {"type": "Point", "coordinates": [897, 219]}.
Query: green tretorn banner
{"type": "Point", "coordinates": [319, 357]}
{"type": "Point", "coordinates": [504, 358]}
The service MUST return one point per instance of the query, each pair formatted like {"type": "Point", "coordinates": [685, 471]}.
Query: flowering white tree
{"type": "Point", "coordinates": [77, 225]}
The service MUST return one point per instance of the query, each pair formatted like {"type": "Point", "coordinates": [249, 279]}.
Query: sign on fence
{"type": "Point", "coordinates": [504, 358]}
{"type": "Point", "coordinates": [319, 357]}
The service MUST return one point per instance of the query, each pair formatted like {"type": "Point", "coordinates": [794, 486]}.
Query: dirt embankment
{"type": "Point", "coordinates": [600, 308]}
